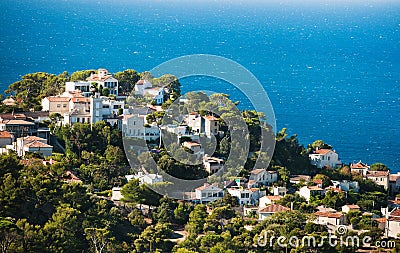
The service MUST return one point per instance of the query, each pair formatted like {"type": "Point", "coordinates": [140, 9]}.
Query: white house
{"type": "Point", "coordinates": [379, 177]}
{"type": "Point", "coordinates": [211, 125]}
{"type": "Point", "coordinates": [393, 223]}
{"type": "Point", "coordinates": [263, 176]}
{"type": "Point", "coordinates": [56, 104]}
{"type": "Point", "coordinates": [268, 200]}
{"type": "Point", "coordinates": [359, 167]}
{"type": "Point", "coordinates": [104, 79]}
{"type": "Point", "coordinates": [208, 193]}
{"type": "Point", "coordinates": [175, 129]}
{"type": "Point", "coordinates": [141, 85]}
{"type": "Point", "coordinates": [346, 186]}
{"type": "Point", "coordinates": [111, 106]}
{"type": "Point", "coordinates": [394, 183]}
{"type": "Point", "coordinates": [83, 86]}
{"type": "Point", "coordinates": [133, 125]}
{"type": "Point", "coordinates": [157, 93]}
{"type": "Point", "coordinates": [279, 191]}
{"type": "Point", "coordinates": [328, 218]}
{"type": "Point", "coordinates": [269, 210]}
{"type": "Point", "coordinates": [6, 138]}
{"type": "Point", "coordinates": [325, 158]}
{"type": "Point", "coordinates": [297, 179]}
{"type": "Point", "coordinates": [145, 88]}
{"type": "Point", "coordinates": [84, 110]}
{"type": "Point", "coordinates": [245, 196]}
{"type": "Point", "coordinates": [193, 146]}
{"type": "Point", "coordinates": [146, 178]}
{"type": "Point", "coordinates": [348, 208]}
{"type": "Point", "coordinates": [116, 194]}
{"type": "Point", "coordinates": [212, 164]}
{"type": "Point", "coordinates": [18, 127]}
{"type": "Point", "coordinates": [194, 121]}
{"type": "Point", "coordinates": [31, 144]}
{"type": "Point", "coordinates": [308, 191]}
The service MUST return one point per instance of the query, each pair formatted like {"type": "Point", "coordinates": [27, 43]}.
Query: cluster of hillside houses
{"type": "Point", "coordinates": [22, 133]}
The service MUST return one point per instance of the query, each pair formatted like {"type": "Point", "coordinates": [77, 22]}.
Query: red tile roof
{"type": "Point", "coordinates": [377, 173]}
{"type": "Point", "coordinates": [334, 189]}
{"type": "Point", "coordinates": [95, 77]}
{"type": "Point", "coordinates": [317, 181]}
{"type": "Point", "coordinates": [38, 144]}
{"type": "Point", "coordinates": [18, 122]}
{"type": "Point", "coordinates": [394, 177]}
{"type": "Point", "coordinates": [314, 188]}
{"type": "Point", "coordinates": [380, 220]}
{"type": "Point", "coordinates": [329, 215]}
{"type": "Point", "coordinates": [353, 206]}
{"type": "Point", "coordinates": [273, 197]}
{"type": "Point", "coordinates": [80, 100]}
{"type": "Point", "coordinates": [33, 138]}
{"type": "Point", "coordinates": [257, 171]}
{"type": "Point", "coordinates": [322, 151]}
{"type": "Point", "coordinates": [5, 134]}
{"type": "Point", "coordinates": [395, 215]}
{"type": "Point", "coordinates": [300, 177]}
{"type": "Point", "coordinates": [206, 185]}
{"type": "Point", "coordinates": [359, 165]}
{"type": "Point", "coordinates": [210, 118]}
{"type": "Point", "coordinates": [58, 99]}
{"type": "Point", "coordinates": [274, 208]}
{"type": "Point", "coordinates": [191, 144]}
{"type": "Point", "coordinates": [71, 178]}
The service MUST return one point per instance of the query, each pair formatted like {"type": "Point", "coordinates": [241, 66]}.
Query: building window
{"type": "Point", "coordinates": [64, 105]}
{"type": "Point", "coordinates": [58, 105]}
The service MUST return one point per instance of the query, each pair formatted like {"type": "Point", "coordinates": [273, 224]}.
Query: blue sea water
{"type": "Point", "coordinates": [331, 68]}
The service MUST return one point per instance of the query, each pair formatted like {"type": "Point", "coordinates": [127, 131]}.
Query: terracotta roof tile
{"type": "Point", "coordinates": [38, 144]}
{"type": "Point", "coordinates": [210, 118]}
{"type": "Point", "coordinates": [359, 165]}
{"type": "Point", "coordinates": [58, 99]}
{"type": "Point", "coordinates": [380, 220]}
{"type": "Point", "coordinates": [322, 151]}
{"type": "Point", "coordinates": [274, 208]}
{"type": "Point", "coordinates": [257, 171]}
{"type": "Point", "coordinates": [191, 144]}
{"type": "Point", "coordinates": [329, 215]}
{"type": "Point", "coordinates": [353, 206]}
{"type": "Point", "coordinates": [95, 77]}
{"type": "Point", "coordinates": [394, 177]}
{"type": "Point", "coordinates": [273, 197]}
{"type": "Point", "coordinates": [80, 100]}
{"type": "Point", "coordinates": [395, 215]}
{"type": "Point", "coordinates": [377, 173]}
{"type": "Point", "coordinates": [33, 138]}
{"type": "Point", "coordinates": [19, 122]}
{"type": "Point", "coordinates": [5, 134]}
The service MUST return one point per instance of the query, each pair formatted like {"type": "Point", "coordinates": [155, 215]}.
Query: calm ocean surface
{"type": "Point", "coordinates": [331, 70]}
